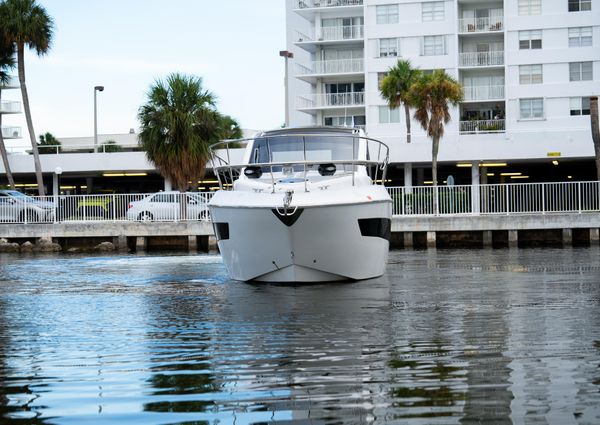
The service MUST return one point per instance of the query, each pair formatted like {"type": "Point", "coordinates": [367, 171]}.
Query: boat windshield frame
{"type": "Point", "coordinates": [370, 154]}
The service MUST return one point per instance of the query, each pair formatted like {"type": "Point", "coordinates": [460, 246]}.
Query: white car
{"type": "Point", "coordinates": [166, 206]}
{"type": "Point", "coordinates": [18, 207]}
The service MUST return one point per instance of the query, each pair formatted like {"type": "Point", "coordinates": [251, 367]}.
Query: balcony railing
{"type": "Point", "coordinates": [347, 32]}
{"type": "Point", "coordinates": [10, 107]}
{"type": "Point", "coordinates": [307, 4]}
{"type": "Point", "coordinates": [341, 66]}
{"type": "Point", "coordinates": [481, 58]}
{"type": "Point", "coordinates": [482, 126]}
{"type": "Point", "coordinates": [11, 132]}
{"type": "Point", "coordinates": [483, 92]}
{"type": "Point", "coordinates": [330, 100]}
{"type": "Point", "coordinates": [467, 25]}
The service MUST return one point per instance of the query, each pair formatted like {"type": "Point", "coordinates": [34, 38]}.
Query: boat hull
{"type": "Point", "coordinates": [314, 244]}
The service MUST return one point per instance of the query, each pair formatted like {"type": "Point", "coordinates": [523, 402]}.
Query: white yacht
{"type": "Point", "coordinates": [305, 205]}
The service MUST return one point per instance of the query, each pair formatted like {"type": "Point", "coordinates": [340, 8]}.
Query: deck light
{"type": "Point", "coordinates": [493, 164]}
{"type": "Point", "coordinates": [555, 162]}
{"type": "Point", "coordinates": [113, 175]}
{"type": "Point", "coordinates": [510, 174]}
{"type": "Point", "coordinates": [490, 174]}
{"type": "Point", "coordinates": [519, 177]}
{"type": "Point", "coordinates": [464, 165]}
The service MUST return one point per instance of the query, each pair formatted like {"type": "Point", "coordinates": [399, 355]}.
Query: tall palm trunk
{"type": "Point", "coordinates": [435, 147]}
{"type": "Point", "coordinates": [4, 154]}
{"type": "Point", "coordinates": [34, 146]}
{"type": "Point", "coordinates": [407, 114]}
{"type": "Point", "coordinates": [595, 131]}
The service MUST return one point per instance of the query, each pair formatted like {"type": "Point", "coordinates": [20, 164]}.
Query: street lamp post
{"type": "Point", "coordinates": [96, 89]}
{"type": "Point", "coordinates": [287, 55]}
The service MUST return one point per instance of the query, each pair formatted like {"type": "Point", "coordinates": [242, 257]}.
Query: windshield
{"type": "Point", "coordinates": [290, 148]}
{"type": "Point", "coordinates": [16, 194]}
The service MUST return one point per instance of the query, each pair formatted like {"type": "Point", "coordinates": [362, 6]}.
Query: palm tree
{"type": "Point", "coordinates": [26, 23]}
{"type": "Point", "coordinates": [395, 88]}
{"type": "Point", "coordinates": [178, 124]}
{"type": "Point", "coordinates": [595, 131]}
{"type": "Point", "coordinates": [431, 94]}
{"type": "Point", "coordinates": [230, 128]}
{"type": "Point", "coordinates": [7, 62]}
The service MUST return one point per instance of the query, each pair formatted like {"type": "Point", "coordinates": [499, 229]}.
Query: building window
{"type": "Point", "coordinates": [581, 71]}
{"type": "Point", "coordinates": [434, 45]}
{"type": "Point", "coordinates": [387, 14]}
{"type": "Point", "coordinates": [531, 108]}
{"type": "Point", "coordinates": [530, 39]}
{"type": "Point", "coordinates": [530, 7]}
{"type": "Point", "coordinates": [388, 47]}
{"type": "Point", "coordinates": [432, 11]}
{"type": "Point", "coordinates": [530, 74]}
{"type": "Point", "coordinates": [389, 116]}
{"type": "Point", "coordinates": [580, 37]}
{"type": "Point", "coordinates": [580, 106]}
{"type": "Point", "coordinates": [345, 121]}
{"type": "Point", "coordinates": [580, 5]}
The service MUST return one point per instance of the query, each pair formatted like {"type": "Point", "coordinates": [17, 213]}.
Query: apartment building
{"type": "Point", "coordinates": [528, 68]}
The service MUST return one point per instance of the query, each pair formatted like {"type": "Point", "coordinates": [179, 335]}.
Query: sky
{"type": "Point", "coordinates": [125, 45]}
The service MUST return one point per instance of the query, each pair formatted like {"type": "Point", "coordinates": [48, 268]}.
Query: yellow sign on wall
{"type": "Point", "coordinates": [553, 154]}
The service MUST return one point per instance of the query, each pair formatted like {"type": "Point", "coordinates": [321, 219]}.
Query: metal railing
{"type": "Point", "coordinates": [11, 132]}
{"type": "Point", "coordinates": [484, 92]}
{"type": "Point", "coordinates": [325, 100]}
{"type": "Point", "coordinates": [10, 107]}
{"type": "Point", "coordinates": [307, 4]}
{"type": "Point", "coordinates": [497, 199]}
{"type": "Point", "coordinates": [339, 66]}
{"type": "Point", "coordinates": [70, 149]}
{"type": "Point", "coordinates": [481, 58]}
{"type": "Point", "coordinates": [491, 199]}
{"type": "Point", "coordinates": [347, 32]}
{"type": "Point", "coordinates": [466, 25]}
{"type": "Point", "coordinates": [162, 206]}
{"type": "Point", "coordinates": [482, 126]}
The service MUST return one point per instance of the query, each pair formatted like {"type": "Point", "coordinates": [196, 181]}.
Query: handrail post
{"type": "Point", "coordinates": [543, 198]}
{"type": "Point", "coordinates": [579, 197]}
{"type": "Point", "coordinates": [507, 185]}
{"type": "Point", "coordinates": [114, 207]}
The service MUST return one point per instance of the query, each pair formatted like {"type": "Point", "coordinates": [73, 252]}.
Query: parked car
{"type": "Point", "coordinates": [18, 207]}
{"type": "Point", "coordinates": [166, 206]}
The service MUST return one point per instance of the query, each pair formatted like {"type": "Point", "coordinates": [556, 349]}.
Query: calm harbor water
{"type": "Point", "coordinates": [445, 337]}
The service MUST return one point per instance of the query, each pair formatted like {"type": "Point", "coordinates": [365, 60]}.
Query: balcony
{"type": "Point", "coordinates": [482, 126]}
{"type": "Point", "coordinates": [12, 83]}
{"type": "Point", "coordinates": [338, 35]}
{"type": "Point", "coordinates": [476, 59]}
{"type": "Point", "coordinates": [329, 67]}
{"type": "Point", "coordinates": [311, 4]}
{"type": "Point", "coordinates": [483, 93]}
{"type": "Point", "coordinates": [11, 132]}
{"type": "Point", "coordinates": [330, 100]}
{"type": "Point", "coordinates": [10, 107]}
{"type": "Point", "coordinates": [475, 25]}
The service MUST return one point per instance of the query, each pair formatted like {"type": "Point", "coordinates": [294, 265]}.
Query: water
{"type": "Point", "coordinates": [445, 337]}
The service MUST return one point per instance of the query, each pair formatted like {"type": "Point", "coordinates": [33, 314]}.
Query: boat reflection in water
{"type": "Point", "coordinates": [305, 205]}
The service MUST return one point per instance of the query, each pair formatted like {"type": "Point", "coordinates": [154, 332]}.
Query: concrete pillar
{"type": "Point", "coordinates": [513, 238]}
{"type": "Point", "coordinates": [55, 188]}
{"type": "Point", "coordinates": [408, 182]}
{"type": "Point", "coordinates": [475, 188]}
{"type": "Point", "coordinates": [567, 237]}
{"type": "Point", "coordinates": [594, 237]}
{"type": "Point", "coordinates": [141, 244]}
{"type": "Point", "coordinates": [431, 238]}
{"type": "Point", "coordinates": [408, 240]}
{"type": "Point", "coordinates": [120, 243]}
{"type": "Point", "coordinates": [483, 173]}
{"type": "Point", "coordinates": [487, 239]}
{"type": "Point", "coordinates": [168, 186]}
{"type": "Point", "coordinates": [193, 243]}
{"type": "Point", "coordinates": [212, 244]}
{"type": "Point", "coordinates": [89, 182]}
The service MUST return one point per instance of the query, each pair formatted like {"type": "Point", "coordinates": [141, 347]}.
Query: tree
{"type": "Point", "coordinates": [395, 88]}
{"type": "Point", "coordinates": [595, 131]}
{"type": "Point", "coordinates": [178, 124]}
{"type": "Point", "coordinates": [111, 146]}
{"type": "Point", "coordinates": [48, 144]}
{"type": "Point", "coordinates": [7, 62]}
{"type": "Point", "coordinates": [431, 95]}
{"type": "Point", "coordinates": [25, 23]}
{"type": "Point", "coordinates": [230, 128]}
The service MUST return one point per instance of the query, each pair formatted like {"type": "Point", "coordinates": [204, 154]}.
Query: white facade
{"type": "Point", "coordinates": [525, 66]}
